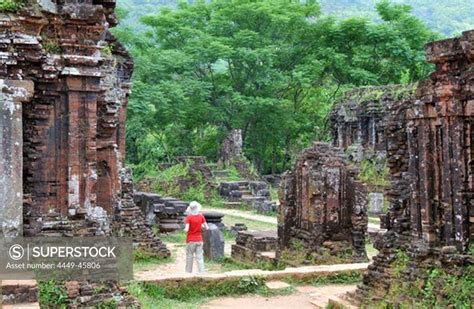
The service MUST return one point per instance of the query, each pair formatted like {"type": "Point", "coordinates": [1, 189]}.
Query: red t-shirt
{"type": "Point", "coordinates": [195, 224]}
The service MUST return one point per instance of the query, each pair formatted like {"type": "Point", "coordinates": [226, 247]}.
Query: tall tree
{"type": "Point", "coordinates": [271, 68]}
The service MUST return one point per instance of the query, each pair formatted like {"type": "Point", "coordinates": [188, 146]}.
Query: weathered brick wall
{"type": "Point", "coordinates": [323, 206]}
{"type": "Point", "coordinates": [430, 153]}
{"type": "Point", "coordinates": [72, 133]}
{"type": "Point", "coordinates": [358, 118]}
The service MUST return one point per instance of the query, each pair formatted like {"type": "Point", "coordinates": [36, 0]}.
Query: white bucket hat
{"type": "Point", "coordinates": [194, 208]}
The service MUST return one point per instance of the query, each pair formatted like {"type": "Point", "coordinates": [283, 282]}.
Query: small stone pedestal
{"type": "Point", "coordinates": [213, 242]}
{"type": "Point", "coordinates": [214, 217]}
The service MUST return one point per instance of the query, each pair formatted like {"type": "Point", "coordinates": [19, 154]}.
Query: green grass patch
{"type": "Point", "coordinates": [370, 249]}
{"type": "Point", "coordinates": [233, 174]}
{"type": "Point", "coordinates": [374, 220]}
{"type": "Point", "coordinates": [11, 5]}
{"type": "Point", "coordinates": [274, 194]}
{"type": "Point", "coordinates": [193, 294]}
{"type": "Point", "coordinates": [142, 260]}
{"type": "Point", "coordinates": [178, 237]}
{"type": "Point", "coordinates": [52, 294]}
{"type": "Point", "coordinates": [346, 277]}
{"type": "Point", "coordinates": [231, 220]}
{"type": "Point", "coordinates": [374, 175]}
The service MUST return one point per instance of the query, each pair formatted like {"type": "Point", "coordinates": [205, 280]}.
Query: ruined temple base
{"type": "Point", "coordinates": [255, 246]}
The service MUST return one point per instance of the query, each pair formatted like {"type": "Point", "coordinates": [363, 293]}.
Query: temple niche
{"type": "Point", "coordinates": [323, 210]}
{"type": "Point", "coordinates": [430, 152]}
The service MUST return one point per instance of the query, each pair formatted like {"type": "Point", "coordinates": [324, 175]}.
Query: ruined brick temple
{"type": "Point", "coordinates": [358, 120]}
{"type": "Point", "coordinates": [64, 86]}
{"type": "Point", "coordinates": [323, 207]}
{"type": "Point", "coordinates": [430, 142]}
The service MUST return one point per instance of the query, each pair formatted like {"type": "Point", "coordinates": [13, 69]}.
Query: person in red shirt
{"type": "Point", "coordinates": [194, 223]}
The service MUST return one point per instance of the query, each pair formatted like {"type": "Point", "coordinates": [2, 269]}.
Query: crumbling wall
{"type": "Point", "coordinates": [430, 153]}
{"type": "Point", "coordinates": [70, 145]}
{"type": "Point", "coordinates": [231, 147]}
{"type": "Point", "coordinates": [357, 120]}
{"type": "Point", "coordinates": [359, 126]}
{"type": "Point", "coordinates": [73, 127]}
{"type": "Point", "coordinates": [323, 207]}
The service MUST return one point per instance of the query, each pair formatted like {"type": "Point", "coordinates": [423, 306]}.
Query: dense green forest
{"type": "Point", "coordinates": [448, 17]}
{"type": "Point", "coordinates": [270, 68]}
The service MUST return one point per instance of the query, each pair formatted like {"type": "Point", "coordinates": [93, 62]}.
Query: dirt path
{"type": "Point", "coordinates": [301, 299]}
{"type": "Point", "coordinates": [246, 214]}
{"type": "Point", "coordinates": [177, 267]}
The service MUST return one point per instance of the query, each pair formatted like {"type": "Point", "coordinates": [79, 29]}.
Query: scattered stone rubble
{"type": "Point", "coordinates": [430, 154]}
{"type": "Point", "coordinates": [254, 194]}
{"type": "Point", "coordinates": [72, 78]}
{"type": "Point", "coordinates": [166, 213]}
{"type": "Point", "coordinates": [323, 207]}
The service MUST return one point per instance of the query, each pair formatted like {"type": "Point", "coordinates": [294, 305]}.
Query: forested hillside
{"type": "Point", "coordinates": [270, 68]}
{"type": "Point", "coordinates": [449, 17]}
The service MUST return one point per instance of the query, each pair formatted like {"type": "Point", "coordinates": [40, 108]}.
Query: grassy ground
{"type": "Point", "coordinates": [144, 262]}
{"type": "Point", "coordinates": [371, 251]}
{"type": "Point", "coordinates": [191, 295]}
{"type": "Point", "coordinates": [230, 220]}
{"type": "Point", "coordinates": [374, 220]}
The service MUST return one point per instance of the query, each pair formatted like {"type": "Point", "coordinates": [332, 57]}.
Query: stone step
{"type": "Point", "coordinates": [22, 306]}
{"type": "Point", "coordinates": [246, 192]}
{"type": "Point", "coordinates": [233, 205]}
{"type": "Point", "coordinates": [333, 296]}
{"type": "Point", "coordinates": [338, 302]}
{"type": "Point", "coordinates": [277, 285]}
{"type": "Point", "coordinates": [222, 173]}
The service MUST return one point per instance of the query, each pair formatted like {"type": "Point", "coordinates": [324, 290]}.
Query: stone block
{"type": "Point", "coordinates": [213, 242]}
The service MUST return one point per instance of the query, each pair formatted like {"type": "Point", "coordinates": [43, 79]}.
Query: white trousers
{"type": "Point", "coordinates": [194, 249]}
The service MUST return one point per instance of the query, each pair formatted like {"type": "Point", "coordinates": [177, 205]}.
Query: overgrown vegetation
{"type": "Point", "coordinates": [271, 68]}
{"type": "Point", "coordinates": [143, 260]}
{"type": "Point", "coordinates": [435, 288]}
{"type": "Point", "coordinates": [52, 294]}
{"type": "Point", "coordinates": [190, 295]}
{"type": "Point", "coordinates": [347, 277]}
{"type": "Point", "coordinates": [11, 5]}
{"type": "Point", "coordinates": [374, 174]}
{"type": "Point", "coordinates": [178, 181]}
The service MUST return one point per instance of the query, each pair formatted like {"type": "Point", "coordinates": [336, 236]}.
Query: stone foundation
{"type": "Point", "coordinates": [255, 246]}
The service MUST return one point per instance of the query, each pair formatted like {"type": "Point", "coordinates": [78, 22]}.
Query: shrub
{"type": "Point", "coordinates": [373, 174]}
{"type": "Point", "coordinates": [52, 294]}
{"type": "Point", "coordinates": [11, 5]}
